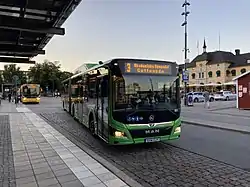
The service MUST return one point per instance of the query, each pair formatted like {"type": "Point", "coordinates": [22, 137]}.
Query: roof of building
{"type": "Point", "coordinates": [27, 26]}
{"type": "Point", "coordinates": [242, 75]}
{"type": "Point", "coordinates": [235, 60]}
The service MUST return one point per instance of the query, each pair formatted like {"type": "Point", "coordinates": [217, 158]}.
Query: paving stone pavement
{"type": "Point", "coordinates": [7, 173]}
{"type": "Point", "coordinates": [44, 157]}
{"type": "Point", "coordinates": [157, 164]}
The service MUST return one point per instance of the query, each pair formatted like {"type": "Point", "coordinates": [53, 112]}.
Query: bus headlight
{"type": "Point", "coordinates": [119, 134]}
{"type": "Point", "coordinates": [177, 130]}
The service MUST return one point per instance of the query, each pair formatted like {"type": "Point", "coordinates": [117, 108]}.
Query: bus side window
{"type": "Point", "coordinates": [104, 88]}
{"type": "Point", "coordinates": [81, 90]}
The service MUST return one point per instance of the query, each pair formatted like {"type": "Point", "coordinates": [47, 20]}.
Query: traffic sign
{"type": "Point", "coordinates": [185, 76]}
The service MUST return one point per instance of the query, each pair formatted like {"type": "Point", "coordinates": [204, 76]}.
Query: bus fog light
{"type": "Point", "coordinates": [119, 134]}
{"type": "Point", "coordinates": [177, 130]}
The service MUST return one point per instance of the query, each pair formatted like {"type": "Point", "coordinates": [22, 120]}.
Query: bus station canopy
{"type": "Point", "coordinates": [26, 26]}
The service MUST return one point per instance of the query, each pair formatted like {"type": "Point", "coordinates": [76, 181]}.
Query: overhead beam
{"type": "Point", "coordinates": [16, 60]}
{"type": "Point", "coordinates": [29, 25]}
{"type": "Point", "coordinates": [20, 49]}
{"type": "Point", "coordinates": [13, 11]}
{"type": "Point", "coordinates": [27, 55]}
{"type": "Point", "coordinates": [55, 30]}
{"type": "Point", "coordinates": [24, 43]}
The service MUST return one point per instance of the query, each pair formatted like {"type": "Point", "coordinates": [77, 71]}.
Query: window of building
{"type": "Point", "coordinates": [218, 73]}
{"type": "Point", "coordinates": [233, 72]}
{"type": "Point", "coordinates": [243, 70]}
{"type": "Point", "coordinates": [218, 64]}
{"type": "Point", "coordinates": [199, 75]}
{"type": "Point", "coordinates": [228, 72]}
{"type": "Point", "coordinates": [193, 75]}
{"type": "Point", "coordinates": [202, 74]}
{"type": "Point", "coordinates": [210, 74]}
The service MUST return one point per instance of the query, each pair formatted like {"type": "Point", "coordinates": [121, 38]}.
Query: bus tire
{"type": "Point", "coordinates": [92, 125]}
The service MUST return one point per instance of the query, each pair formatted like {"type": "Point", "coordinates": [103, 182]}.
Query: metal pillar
{"type": "Point", "coordinates": [185, 14]}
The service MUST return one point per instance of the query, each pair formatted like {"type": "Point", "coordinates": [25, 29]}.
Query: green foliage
{"type": "Point", "coordinates": [48, 74]}
{"type": "Point", "coordinates": [11, 70]}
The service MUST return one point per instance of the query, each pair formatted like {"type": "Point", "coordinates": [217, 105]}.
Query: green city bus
{"type": "Point", "coordinates": [127, 101]}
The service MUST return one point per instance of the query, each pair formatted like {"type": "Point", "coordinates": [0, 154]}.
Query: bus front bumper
{"type": "Point", "coordinates": [125, 140]}
{"type": "Point", "coordinates": [30, 100]}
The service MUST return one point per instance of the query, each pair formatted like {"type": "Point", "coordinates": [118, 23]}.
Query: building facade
{"type": "Point", "coordinates": [216, 68]}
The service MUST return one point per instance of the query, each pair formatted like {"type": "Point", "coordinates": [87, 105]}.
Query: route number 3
{"type": "Point", "coordinates": [128, 67]}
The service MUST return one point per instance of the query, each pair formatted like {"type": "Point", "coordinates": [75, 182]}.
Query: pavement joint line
{"type": "Point", "coordinates": [120, 174]}
{"type": "Point", "coordinates": [215, 127]}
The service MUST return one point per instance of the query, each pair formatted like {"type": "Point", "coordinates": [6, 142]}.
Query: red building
{"type": "Point", "coordinates": [243, 90]}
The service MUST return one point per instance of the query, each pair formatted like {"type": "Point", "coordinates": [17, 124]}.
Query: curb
{"type": "Point", "coordinates": [215, 127]}
{"type": "Point", "coordinates": [120, 174]}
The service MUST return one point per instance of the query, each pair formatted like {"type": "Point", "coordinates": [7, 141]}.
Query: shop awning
{"type": "Point", "coordinates": [213, 84]}
{"type": "Point", "coordinates": [229, 83]}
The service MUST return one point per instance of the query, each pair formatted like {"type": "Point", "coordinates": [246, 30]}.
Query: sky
{"type": "Point", "coordinates": [99, 30]}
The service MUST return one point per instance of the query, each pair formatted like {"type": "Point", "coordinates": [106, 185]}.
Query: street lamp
{"type": "Point", "coordinates": [184, 24]}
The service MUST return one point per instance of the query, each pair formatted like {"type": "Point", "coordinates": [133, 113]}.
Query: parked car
{"type": "Point", "coordinates": [197, 96]}
{"type": "Point", "coordinates": [224, 95]}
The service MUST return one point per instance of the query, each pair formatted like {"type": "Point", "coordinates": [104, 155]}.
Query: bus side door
{"type": "Point", "coordinates": [102, 105]}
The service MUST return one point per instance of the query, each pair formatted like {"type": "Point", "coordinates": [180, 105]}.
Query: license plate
{"type": "Point", "coordinates": [150, 140]}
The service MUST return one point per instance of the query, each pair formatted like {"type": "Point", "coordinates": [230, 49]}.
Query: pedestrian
{"type": "Point", "coordinates": [206, 95]}
{"type": "Point", "coordinates": [9, 96]}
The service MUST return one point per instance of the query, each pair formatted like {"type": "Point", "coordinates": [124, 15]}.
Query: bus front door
{"type": "Point", "coordinates": [102, 105]}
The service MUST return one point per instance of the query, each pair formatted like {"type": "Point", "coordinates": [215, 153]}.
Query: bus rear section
{"type": "Point", "coordinates": [30, 93]}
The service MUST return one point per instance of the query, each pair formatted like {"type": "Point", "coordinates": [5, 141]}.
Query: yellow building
{"type": "Point", "coordinates": [216, 69]}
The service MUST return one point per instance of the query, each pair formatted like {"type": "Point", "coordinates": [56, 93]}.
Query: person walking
{"type": "Point", "coordinates": [206, 95]}
{"type": "Point", "coordinates": [9, 96]}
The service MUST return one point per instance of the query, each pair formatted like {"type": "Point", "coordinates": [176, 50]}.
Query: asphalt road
{"type": "Point", "coordinates": [197, 158]}
{"type": "Point", "coordinates": [226, 146]}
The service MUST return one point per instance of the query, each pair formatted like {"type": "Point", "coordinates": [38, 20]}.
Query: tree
{"type": "Point", "coordinates": [11, 70]}
{"type": "Point", "coordinates": [48, 75]}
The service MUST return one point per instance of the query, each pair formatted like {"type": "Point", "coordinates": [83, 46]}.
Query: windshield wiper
{"type": "Point", "coordinates": [152, 86]}
{"type": "Point", "coordinates": [167, 110]}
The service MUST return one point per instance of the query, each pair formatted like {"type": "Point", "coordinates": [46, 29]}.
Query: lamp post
{"type": "Point", "coordinates": [56, 63]}
{"type": "Point", "coordinates": [184, 24]}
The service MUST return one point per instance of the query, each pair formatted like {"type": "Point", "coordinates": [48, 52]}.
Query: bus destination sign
{"type": "Point", "coordinates": [147, 68]}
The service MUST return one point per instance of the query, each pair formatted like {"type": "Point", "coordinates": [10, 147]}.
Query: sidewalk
{"type": "Point", "coordinates": [41, 156]}
{"type": "Point", "coordinates": [227, 119]}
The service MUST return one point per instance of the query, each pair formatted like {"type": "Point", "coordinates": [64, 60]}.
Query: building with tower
{"type": "Point", "coordinates": [216, 69]}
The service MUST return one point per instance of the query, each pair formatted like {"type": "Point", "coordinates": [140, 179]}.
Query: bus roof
{"type": "Point", "coordinates": [108, 62]}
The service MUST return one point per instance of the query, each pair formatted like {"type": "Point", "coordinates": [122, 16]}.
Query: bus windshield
{"type": "Point", "coordinates": [156, 92]}
{"type": "Point", "coordinates": [31, 91]}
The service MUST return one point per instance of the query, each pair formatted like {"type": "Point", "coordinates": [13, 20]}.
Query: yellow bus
{"type": "Point", "coordinates": [30, 93]}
